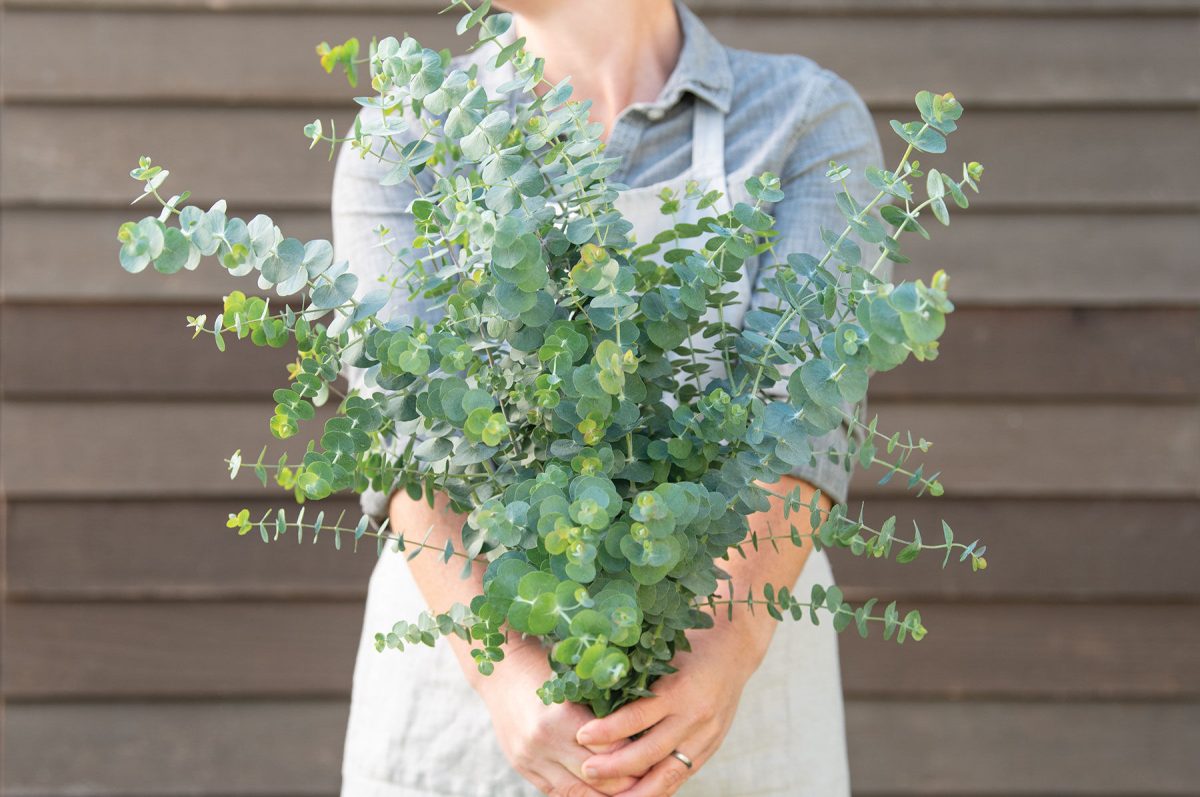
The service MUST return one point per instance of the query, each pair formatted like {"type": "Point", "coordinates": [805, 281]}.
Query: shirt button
{"type": "Point", "coordinates": [654, 114]}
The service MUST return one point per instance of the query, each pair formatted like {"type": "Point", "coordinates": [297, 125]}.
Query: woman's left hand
{"type": "Point", "coordinates": [691, 711]}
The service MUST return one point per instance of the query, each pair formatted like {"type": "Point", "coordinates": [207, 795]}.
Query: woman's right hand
{"type": "Point", "coordinates": [539, 740]}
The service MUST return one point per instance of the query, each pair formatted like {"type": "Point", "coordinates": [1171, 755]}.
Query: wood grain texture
{"type": "Point", "coordinates": [126, 449]}
{"type": "Point", "coordinates": [1064, 259]}
{"type": "Point", "coordinates": [897, 748]}
{"type": "Point", "coordinates": [174, 549]}
{"type": "Point", "coordinates": [130, 351]}
{"type": "Point", "coordinates": [147, 352]}
{"type": "Point", "coordinates": [155, 650]}
{"type": "Point", "coordinates": [1040, 550]}
{"type": "Point", "coordinates": [271, 649]}
{"type": "Point", "coordinates": [41, 264]}
{"type": "Point", "coordinates": [1007, 260]}
{"type": "Point", "coordinates": [943, 749]}
{"type": "Point", "coordinates": [1022, 61]}
{"type": "Point", "coordinates": [259, 156]}
{"type": "Point", "coordinates": [230, 749]}
{"type": "Point", "coordinates": [99, 449]}
{"type": "Point", "coordinates": [1045, 549]}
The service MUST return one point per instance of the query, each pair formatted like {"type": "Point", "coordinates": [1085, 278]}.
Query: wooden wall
{"type": "Point", "coordinates": [147, 651]}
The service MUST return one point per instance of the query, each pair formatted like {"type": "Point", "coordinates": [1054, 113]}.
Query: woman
{"type": "Point", "coordinates": [756, 708]}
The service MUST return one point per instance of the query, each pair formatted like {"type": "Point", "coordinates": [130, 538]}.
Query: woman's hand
{"type": "Point", "coordinates": [691, 711]}
{"type": "Point", "coordinates": [539, 740]}
{"type": "Point", "coordinates": [694, 706]}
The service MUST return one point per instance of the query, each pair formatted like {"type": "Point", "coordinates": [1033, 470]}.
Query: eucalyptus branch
{"type": "Point", "coordinates": [825, 600]}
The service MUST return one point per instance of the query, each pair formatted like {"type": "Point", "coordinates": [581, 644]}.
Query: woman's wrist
{"type": "Point", "coordinates": [522, 657]}
{"type": "Point", "coordinates": [744, 639]}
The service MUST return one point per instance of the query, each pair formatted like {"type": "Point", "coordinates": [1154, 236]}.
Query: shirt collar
{"type": "Point", "coordinates": [702, 68]}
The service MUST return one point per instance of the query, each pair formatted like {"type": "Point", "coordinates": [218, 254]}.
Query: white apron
{"type": "Point", "coordinates": [418, 729]}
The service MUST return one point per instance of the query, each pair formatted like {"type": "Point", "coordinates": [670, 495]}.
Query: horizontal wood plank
{"type": "Point", "coordinates": [167, 450]}
{"type": "Point", "coordinates": [1051, 450]}
{"type": "Point", "coordinates": [1047, 550]}
{"type": "Point", "coordinates": [943, 749]}
{"type": "Point", "coordinates": [1032, 652]}
{"type": "Point", "coordinates": [177, 449]}
{"type": "Point", "coordinates": [1059, 259]}
{"type": "Point", "coordinates": [174, 549]}
{"type": "Point", "coordinates": [126, 351]}
{"type": "Point", "coordinates": [153, 650]}
{"type": "Point", "coordinates": [1074, 353]}
{"type": "Point", "coordinates": [204, 749]}
{"type": "Point", "coordinates": [1022, 61]}
{"type": "Point", "coordinates": [1083, 550]}
{"type": "Point", "coordinates": [896, 748]}
{"type": "Point", "coordinates": [256, 156]}
{"type": "Point", "coordinates": [1015, 259]}
{"type": "Point", "coordinates": [135, 351]}
{"type": "Point", "coordinates": [221, 649]}
{"type": "Point", "coordinates": [42, 264]}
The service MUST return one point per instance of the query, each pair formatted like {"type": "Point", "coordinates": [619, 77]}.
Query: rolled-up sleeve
{"type": "Point", "coordinates": [359, 204]}
{"type": "Point", "coordinates": [837, 127]}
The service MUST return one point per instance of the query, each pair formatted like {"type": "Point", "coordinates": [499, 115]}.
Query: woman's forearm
{"type": "Point", "coordinates": [441, 583]}
{"type": "Point", "coordinates": [778, 565]}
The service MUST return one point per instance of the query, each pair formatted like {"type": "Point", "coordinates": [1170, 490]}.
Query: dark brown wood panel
{"type": "Point", "coordinates": [231, 749]}
{"type": "Point", "coordinates": [896, 748]}
{"type": "Point", "coordinates": [130, 351]}
{"type": "Point", "coordinates": [922, 749]}
{"type": "Point", "coordinates": [1064, 259]}
{"type": "Point", "coordinates": [1014, 259]}
{"type": "Point", "coordinates": [152, 650]}
{"type": "Point", "coordinates": [102, 449]}
{"type": "Point", "coordinates": [1048, 550]}
{"type": "Point", "coordinates": [42, 264]}
{"type": "Point", "coordinates": [145, 650]}
{"type": "Point", "coordinates": [148, 450]}
{"type": "Point", "coordinates": [148, 352]}
{"type": "Point", "coordinates": [1051, 450]}
{"type": "Point", "coordinates": [1041, 61]}
{"type": "Point", "coordinates": [258, 156]}
{"type": "Point", "coordinates": [1085, 550]}
{"type": "Point", "coordinates": [1073, 353]}
{"type": "Point", "coordinates": [175, 549]}
{"type": "Point", "coordinates": [1032, 652]}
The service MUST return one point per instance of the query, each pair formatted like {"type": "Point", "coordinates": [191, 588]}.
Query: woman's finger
{"type": "Point", "coordinates": [632, 718]}
{"type": "Point", "coordinates": [664, 778]}
{"type": "Point", "coordinates": [637, 757]}
{"type": "Point", "coordinates": [572, 757]}
{"type": "Point", "coordinates": [599, 749]}
{"type": "Point", "coordinates": [563, 783]}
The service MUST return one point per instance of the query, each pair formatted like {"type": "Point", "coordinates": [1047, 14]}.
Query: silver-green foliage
{"type": "Point", "coordinates": [535, 402]}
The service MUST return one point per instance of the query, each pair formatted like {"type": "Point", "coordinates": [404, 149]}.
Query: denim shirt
{"type": "Point", "coordinates": [783, 113]}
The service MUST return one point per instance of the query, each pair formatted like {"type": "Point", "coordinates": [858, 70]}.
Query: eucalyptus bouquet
{"type": "Point", "coordinates": [605, 439]}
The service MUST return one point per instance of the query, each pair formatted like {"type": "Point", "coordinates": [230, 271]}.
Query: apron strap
{"type": "Point", "coordinates": [708, 138]}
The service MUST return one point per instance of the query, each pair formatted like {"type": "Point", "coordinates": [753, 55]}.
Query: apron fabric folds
{"type": "Point", "coordinates": [417, 729]}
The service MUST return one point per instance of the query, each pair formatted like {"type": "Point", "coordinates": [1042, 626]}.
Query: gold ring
{"type": "Point", "coordinates": [687, 762]}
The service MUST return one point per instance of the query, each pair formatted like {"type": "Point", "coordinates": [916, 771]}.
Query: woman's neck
{"type": "Point", "coordinates": [616, 52]}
